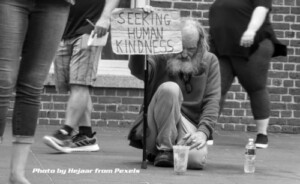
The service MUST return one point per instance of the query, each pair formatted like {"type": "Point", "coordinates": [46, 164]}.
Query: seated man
{"type": "Point", "coordinates": [183, 96]}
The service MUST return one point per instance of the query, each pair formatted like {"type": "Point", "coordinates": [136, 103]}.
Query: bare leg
{"type": "Point", "coordinates": [19, 157]}
{"type": "Point", "coordinates": [262, 126]}
{"type": "Point", "coordinates": [79, 107]}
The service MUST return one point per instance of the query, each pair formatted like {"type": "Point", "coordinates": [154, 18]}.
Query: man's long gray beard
{"type": "Point", "coordinates": [176, 66]}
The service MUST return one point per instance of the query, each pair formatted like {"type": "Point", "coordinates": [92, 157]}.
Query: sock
{"type": "Point", "coordinates": [86, 130]}
{"type": "Point", "coordinates": [68, 129]}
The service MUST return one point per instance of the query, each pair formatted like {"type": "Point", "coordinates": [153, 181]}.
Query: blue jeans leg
{"type": "Point", "coordinates": [37, 30]}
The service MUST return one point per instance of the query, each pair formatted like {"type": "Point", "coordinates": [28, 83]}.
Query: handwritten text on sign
{"type": "Point", "coordinates": [137, 32]}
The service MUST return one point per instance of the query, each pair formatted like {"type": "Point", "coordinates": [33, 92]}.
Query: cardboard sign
{"type": "Point", "coordinates": [134, 31]}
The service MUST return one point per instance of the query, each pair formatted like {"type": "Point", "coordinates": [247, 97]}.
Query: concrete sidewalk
{"type": "Point", "coordinates": [279, 164]}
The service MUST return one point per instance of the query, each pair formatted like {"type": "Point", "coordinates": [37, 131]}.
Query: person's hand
{"type": "Point", "coordinates": [194, 140]}
{"type": "Point", "coordinates": [247, 38]}
{"type": "Point", "coordinates": [101, 27]}
{"type": "Point", "coordinates": [148, 9]}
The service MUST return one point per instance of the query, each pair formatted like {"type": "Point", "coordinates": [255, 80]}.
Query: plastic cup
{"type": "Point", "coordinates": [181, 154]}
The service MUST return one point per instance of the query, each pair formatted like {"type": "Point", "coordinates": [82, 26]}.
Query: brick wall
{"type": "Point", "coordinates": [119, 106]}
{"type": "Point", "coordinates": [112, 106]}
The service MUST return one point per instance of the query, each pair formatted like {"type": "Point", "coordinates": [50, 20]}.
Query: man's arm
{"type": "Point", "coordinates": [103, 23]}
{"type": "Point", "coordinates": [210, 107]}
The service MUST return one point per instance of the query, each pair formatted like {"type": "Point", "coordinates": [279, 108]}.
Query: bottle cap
{"type": "Point", "coordinates": [251, 139]}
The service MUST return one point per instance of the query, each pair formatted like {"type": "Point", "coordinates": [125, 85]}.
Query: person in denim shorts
{"type": "Point", "coordinates": [76, 66]}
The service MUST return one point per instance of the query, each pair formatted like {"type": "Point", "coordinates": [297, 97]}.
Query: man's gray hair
{"type": "Point", "coordinates": [203, 36]}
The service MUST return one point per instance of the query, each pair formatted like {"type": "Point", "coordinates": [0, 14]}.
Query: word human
{"type": "Point", "coordinates": [143, 33]}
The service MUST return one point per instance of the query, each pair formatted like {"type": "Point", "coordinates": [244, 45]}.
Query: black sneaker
{"type": "Point", "coordinates": [81, 142]}
{"type": "Point", "coordinates": [164, 159]}
{"type": "Point", "coordinates": [59, 141]}
{"type": "Point", "coordinates": [261, 141]}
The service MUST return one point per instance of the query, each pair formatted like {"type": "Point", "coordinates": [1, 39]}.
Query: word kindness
{"type": "Point", "coordinates": [137, 32]}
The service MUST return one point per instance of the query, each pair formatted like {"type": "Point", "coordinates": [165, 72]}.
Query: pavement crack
{"type": "Point", "coordinates": [41, 166]}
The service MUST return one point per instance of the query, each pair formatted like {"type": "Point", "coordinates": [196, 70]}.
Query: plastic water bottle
{"type": "Point", "coordinates": [250, 154]}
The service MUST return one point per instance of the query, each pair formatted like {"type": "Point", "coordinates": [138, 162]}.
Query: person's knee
{"type": "Point", "coordinates": [169, 88]}
{"type": "Point", "coordinates": [197, 158]}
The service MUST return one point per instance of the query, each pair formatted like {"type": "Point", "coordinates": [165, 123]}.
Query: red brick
{"type": "Point", "coordinates": [286, 98]}
{"type": "Point", "coordinates": [251, 128]}
{"type": "Point", "coordinates": [109, 100]}
{"type": "Point", "coordinates": [295, 10]}
{"type": "Point", "coordinates": [290, 2]}
{"type": "Point", "coordinates": [231, 104]}
{"type": "Point", "coordinates": [101, 123]}
{"type": "Point", "coordinates": [130, 116]}
{"type": "Point", "coordinates": [280, 10]}
{"type": "Point", "coordinates": [61, 114]}
{"type": "Point", "coordinates": [275, 97]}
{"type": "Point", "coordinates": [277, 90]}
{"type": "Point", "coordinates": [286, 114]}
{"type": "Point", "coordinates": [60, 106]}
{"type": "Point", "coordinates": [185, 13]}
{"type": "Point", "coordinates": [111, 108]}
{"type": "Point", "coordinates": [46, 98]}
{"type": "Point", "coordinates": [227, 112]}
{"type": "Point", "coordinates": [161, 4]}
{"type": "Point", "coordinates": [229, 127]}
{"type": "Point", "coordinates": [132, 101]}
{"type": "Point", "coordinates": [95, 115]}
{"type": "Point", "coordinates": [281, 106]}
{"type": "Point", "coordinates": [47, 106]}
{"type": "Point", "coordinates": [277, 121]}
{"type": "Point", "coordinates": [294, 91]}
{"type": "Point", "coordinates": [293, 106]}
{"type": "Point", "coordinates": [122, 92]}
{"type": "Point", "coordinates": [289, 67]}
{"type": "Point", "coordinates": [99, 107]}
{"type": "Point", "coordinates": [278, 2]}
{"type": "Point", "coordinates": [185, 5]}
{"type": "Point", "coordinates": [60, 98]}
{"type": "Point", "coordinates": [293, 122]}
{"type": "Point", "coordinates": [111, 116]}
{"type": "Point", "coordinates": [289, 18]}
{"type": "Point", "coordinates": [42, 121]}
{"type": "Point", "coordinates": [134, 108]}
{"type": "Point", "coordinates": [136, 93]}
{"type": "Point", "coordinates": [197, 14]}
{"type": "Point", "coordinates": [52, 114]}
{"type": "Point", "coordinates": [275, 113]}
{"type": "Point", "coordinates": [239, 112]}
{"type": "Point", "coordinates": [203, 6]}
{"type": "Point", "coordinates": [54, 122]}
{"type": "Point", "coordinates": [288, 83]}
{"type": "Point", "coordinates": [277, 18]}
{"type": "Point", "coordinates": [98, 91]}
{"type": "Point", "coordinates": [110, 92]}
{"type": "Point", "coordinates": [240, 128]}
{"type": "Point", "coordinates": [297, 114]}
{"type": "Point", "coordinates": [122, 108]}
{"type": "Point", "coordinates": [125, 124]}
